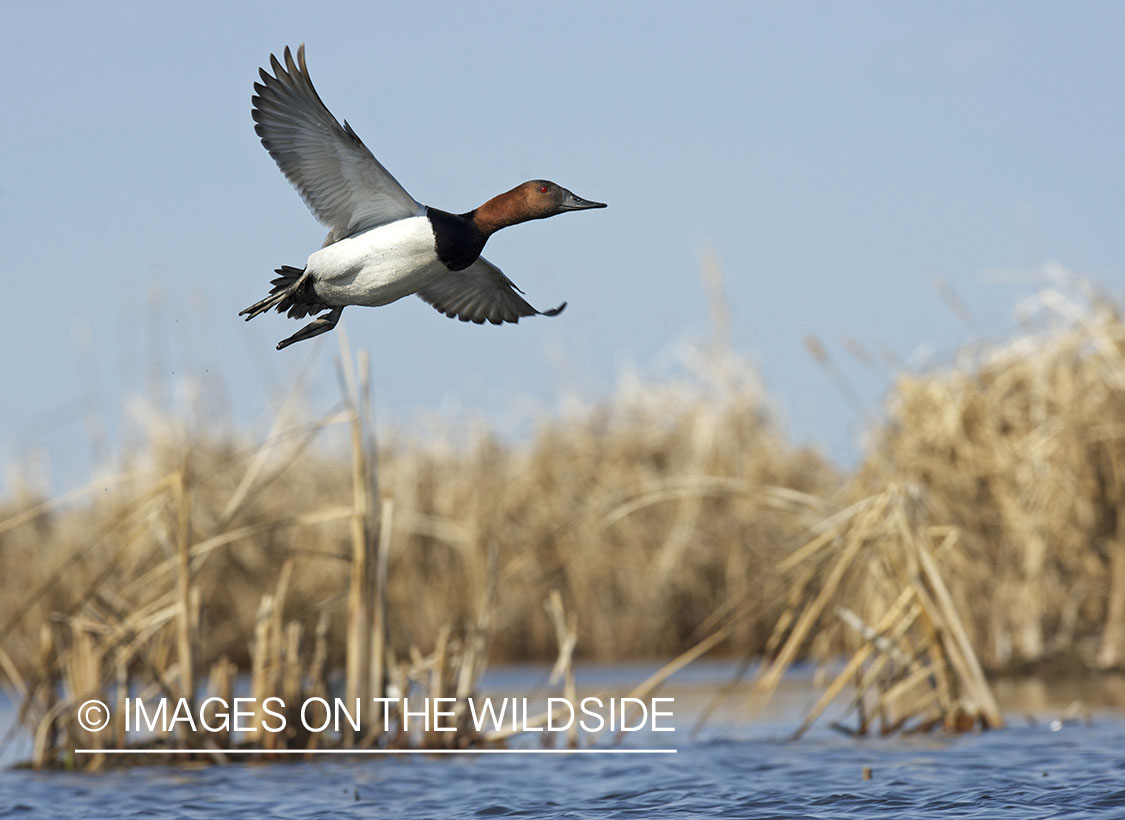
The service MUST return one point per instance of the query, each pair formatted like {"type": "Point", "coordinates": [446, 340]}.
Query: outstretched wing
{"type": "Point", "coordinates": [343, 184]}
{"type": "Point", "coordinates": [480, 293]}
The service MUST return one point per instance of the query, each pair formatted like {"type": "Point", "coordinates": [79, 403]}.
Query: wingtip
{"type": "Point", "coordinates": [287, 61]}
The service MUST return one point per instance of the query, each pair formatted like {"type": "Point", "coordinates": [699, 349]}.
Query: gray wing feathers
{"type": "Point", "coordinates": [481, 293]}
{"type": "Point", "coordinates": [340, 180]}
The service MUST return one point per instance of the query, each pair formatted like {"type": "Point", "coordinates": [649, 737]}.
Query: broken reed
{"type": "Point", "coordinates": [872, 580]}
{"type": "Point", "coordinates": [1021, 447]}
{"type": "Point", "coordinates": [987, 528]}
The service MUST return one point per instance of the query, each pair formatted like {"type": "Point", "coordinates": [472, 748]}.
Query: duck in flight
{"type": "Point", "coordinates": [382, 245]}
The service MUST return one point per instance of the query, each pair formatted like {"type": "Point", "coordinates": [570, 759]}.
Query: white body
{"type": "Point", "coordinates": [378, 266]}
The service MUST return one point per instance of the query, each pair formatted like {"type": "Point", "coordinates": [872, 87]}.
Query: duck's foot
{"type": "Point", "coordinates": [323, 324]}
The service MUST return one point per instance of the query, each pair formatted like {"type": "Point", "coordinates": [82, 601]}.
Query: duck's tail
{"type": "Point", "coordinates": [292, 293]}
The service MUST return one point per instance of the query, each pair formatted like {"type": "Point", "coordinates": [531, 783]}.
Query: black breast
{"type": "Point", "coordinates": [457, 238]}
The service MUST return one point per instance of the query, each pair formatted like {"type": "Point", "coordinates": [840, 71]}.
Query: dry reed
{"type": "Point", "coordinates": [645, 512]}
{"type": "Point", "coordinates": [872, 581]}
{"type": "Point", "coordinates": [208, 557]}
{"type": "Point", "coordinates": [1021, 447]}
{"type": "Point", "coordinates": [986, 522]}
{"type": "Point", "coordinates": [986, 528]}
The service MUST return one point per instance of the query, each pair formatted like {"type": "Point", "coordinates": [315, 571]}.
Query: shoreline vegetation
{"type": "Point", "coordinates": [983, 532]}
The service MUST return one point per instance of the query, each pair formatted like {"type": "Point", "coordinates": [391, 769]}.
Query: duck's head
{"type": "Point", "coordinates": [534, 199]}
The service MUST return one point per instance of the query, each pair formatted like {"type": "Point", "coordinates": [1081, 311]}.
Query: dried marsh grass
{"type": "Point", "coordinates": [289, 559]}
{"type": "Point", "coordinates": [1021, 447]}
{"type": "Point", "coordinates": [984, 528]}
{"type": "Point", "coordinates": [871, 582]}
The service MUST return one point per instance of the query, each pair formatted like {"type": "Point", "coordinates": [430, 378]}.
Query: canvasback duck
{"type": "Point", "coordinates": [382, 245]}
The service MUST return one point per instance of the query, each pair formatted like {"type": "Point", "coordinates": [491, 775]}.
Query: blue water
{"type": "Point", "coordinates": [736, 768]}
{"type": "Point", "coordinates": [1020, 772]}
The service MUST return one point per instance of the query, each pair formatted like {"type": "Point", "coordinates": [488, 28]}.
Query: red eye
{"type": "Point", "coordinates": [543, 190]}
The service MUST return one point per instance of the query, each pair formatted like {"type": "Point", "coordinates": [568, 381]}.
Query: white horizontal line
{"type": "Point", "coordinates": [376, 751]}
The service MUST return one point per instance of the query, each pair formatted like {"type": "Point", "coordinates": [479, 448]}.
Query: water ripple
{"type": "Point", "coordinates": [1021, 772]}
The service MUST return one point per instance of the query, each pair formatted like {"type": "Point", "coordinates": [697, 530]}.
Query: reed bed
{"type": "Point", "coordinates": [648, 510]}
{"type": "Point", "coordinates": [294, 557]}
{"type": "Point", "coordinates": [151, 624]}
{"type": "Point", "coordinates": [983, 529]}
{"type": "Point", "coordinates": [872, 580]}
{"type": "Point", "coordinates": [1020, 446]}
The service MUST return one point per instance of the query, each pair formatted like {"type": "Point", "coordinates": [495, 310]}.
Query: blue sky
{"type": "Point", "coordinates": [836, 157]}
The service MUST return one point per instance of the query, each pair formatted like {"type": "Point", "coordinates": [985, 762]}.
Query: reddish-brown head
{"type": "Point", "coordinates": [537, 199]}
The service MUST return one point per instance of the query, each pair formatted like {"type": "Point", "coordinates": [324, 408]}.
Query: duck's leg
{"type": "Point", "coordinates": [321, 324]}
